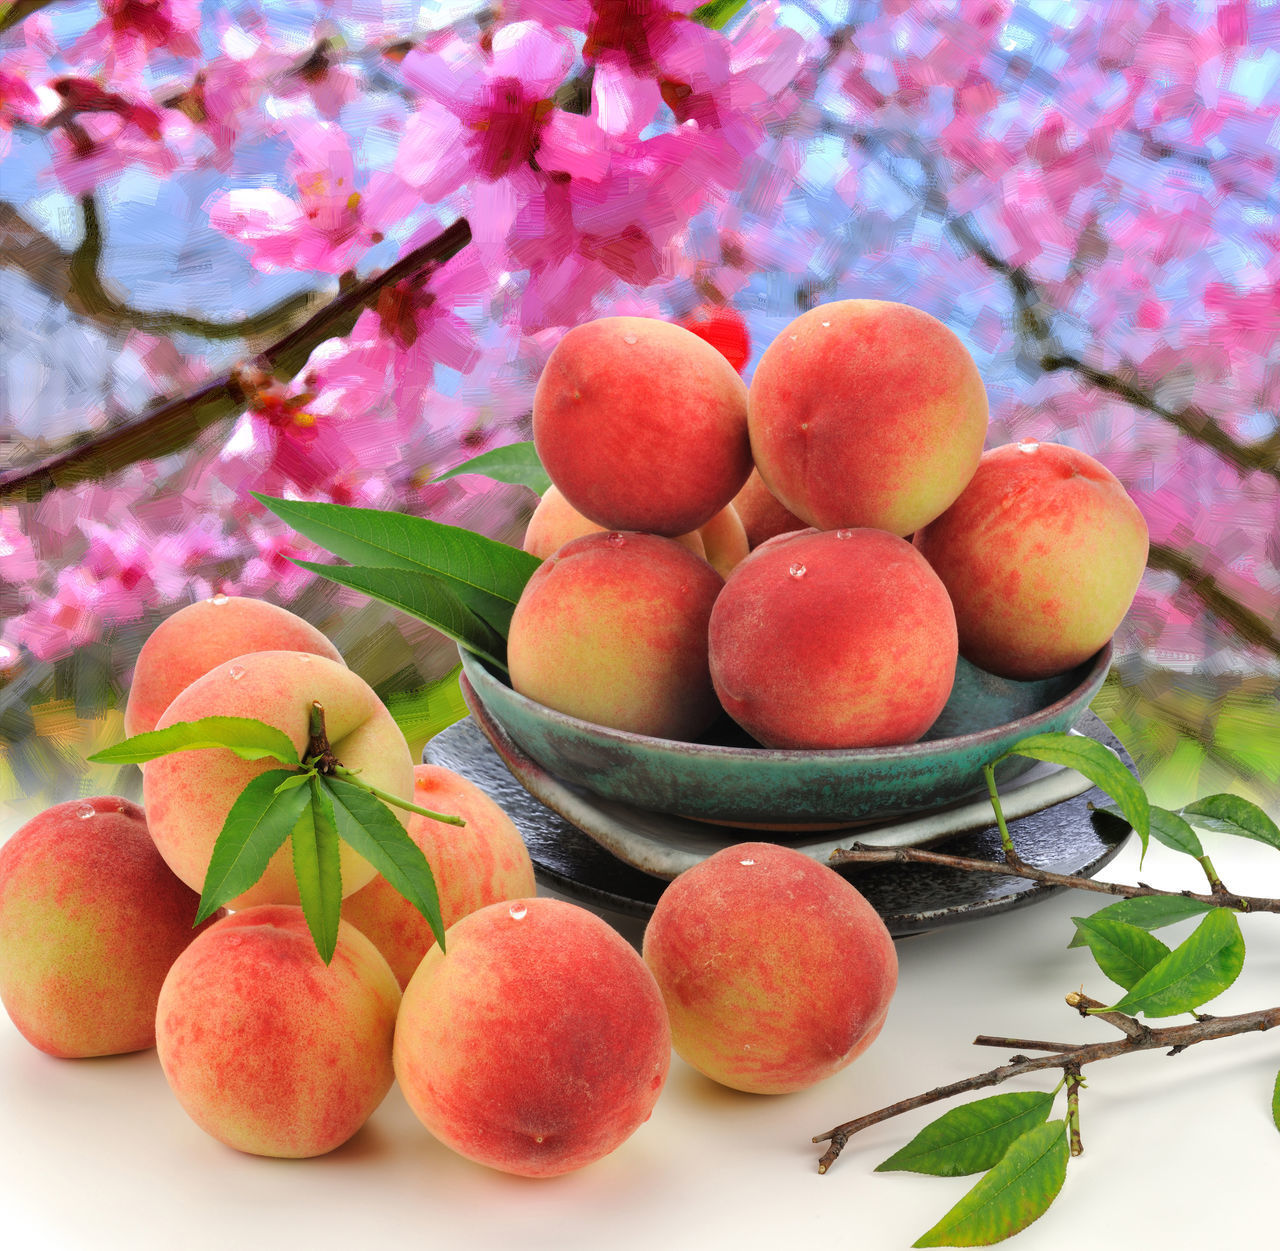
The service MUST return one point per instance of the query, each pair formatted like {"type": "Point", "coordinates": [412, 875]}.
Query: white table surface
{"type": "Point", "coordinates": [96, 1155]}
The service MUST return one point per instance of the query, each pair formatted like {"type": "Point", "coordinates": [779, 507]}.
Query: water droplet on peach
{"type": "Point", "coordinates": [797, 570]}
{"type": "Point", "coordinates": [826, 323]}
{"type": "Point", "coordinates": [844, 534]}
{"type": "Point", "coordinates": [746, 864]}
{"type": "Point", "coordinates": [219, 598]}
{"type": "Point", "coordinates": [1028, 445]}
{"type": "Point", "coordinates": [630, 338]}
{"type": "Point", "coordinates": [236, 672]}
{"type": "Point", "coordinates": [616, 539]}
{"type": "Point", "coordinates": [85, 811]}
{"type": "Point", "coordinates": [518, 911]}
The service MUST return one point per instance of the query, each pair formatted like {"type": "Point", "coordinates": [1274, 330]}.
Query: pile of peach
{"type": "Point", "coordinates": [536, 1042]}
{"type": "Point", "coordinates": [883, 542]}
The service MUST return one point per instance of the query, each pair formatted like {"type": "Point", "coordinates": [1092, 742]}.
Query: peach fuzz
{"type": "Point", "coordinates": [776, 972]}
{"type": "Point", "coordinates": [202, 636]}
{"type": "Point", "coordinates": [1041, 554]}
{"type": "Point", "coordinates": [537, 1043]}
{"type": "Point", "coordinates": [480, 863]}
{"type": "Point", "coordinates": [613, 629]}
{"type": "Point", "coordinates": [867, 413]}
{"type": "Point", "coordinates": [188, 794]}
{"type": "Point", "coordinates": [91, 918]}
{"type": "Point", "coordinates": [642, 425]}
{"type": "Point", "coordinates": [833, 639]}
{"type": "Point", "coordinates": [762, 514]}
{"type": "Point", "coordinates": [555, 522]}
{"type": "Point", "coordinates": [266, 1047]}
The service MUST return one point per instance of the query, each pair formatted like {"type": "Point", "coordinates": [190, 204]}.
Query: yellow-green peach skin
{"type": "Point", "coordinates": [612, 629]}
{"type": "Point", "coordinates": [188, 794]}
{"type": "Point", "coordinates": [202, 636]}
{"type": "Point", "coordinates": [536, 1043]}
{"type": "Point", "coordinates": [776, 972]}
{"type": "Point", "coordinates": [867, 413]}
{"type": "Point", "coordinates": [476, 864]}
{"type": "Point", "coordinates": [91, 918]}
{"type": "Point", "coordinates": [266, 1047]}
{"type": "Point", "coordinates": [1041, 555]}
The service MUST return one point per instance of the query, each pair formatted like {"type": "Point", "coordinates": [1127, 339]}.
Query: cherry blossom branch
{"type": "Point", "coordinates": [175, 424]}
{"type": "Point", "coordinates": [1249, 625]}
{"type": "Point", "coordinates": [859, 855]}
{"type": "Point", "coordinates": [1142, 1038]}
{"type": "Point", "coordinates": [1036, 314]}
{"type": "Point", "coordinates": [74, 279]}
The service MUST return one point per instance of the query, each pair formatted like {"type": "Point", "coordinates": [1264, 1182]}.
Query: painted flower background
{"type": "Point", "coordinates": [1085, 192]}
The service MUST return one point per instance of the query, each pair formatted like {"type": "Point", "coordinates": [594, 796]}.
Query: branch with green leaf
{"type": "Point", "coordinates": [1009, 1138]}
{"type": "Point", "coordinates": [315, 801]}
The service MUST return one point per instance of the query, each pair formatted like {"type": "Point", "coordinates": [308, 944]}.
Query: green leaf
{"type": "Point", "coordinates": [717, 14]}
{"type": "Point", "coordinates": [1125, 953]}
{"type": "Point", "coordinates": [421, 714]}
{"type": "Point", "coordinates": [429, 599]}
{"type": "Point", "coordinates": [971, 1138]}
{"type": "Point", "coordinates": [1017, 1191]}
{"type": "Point", "coordinates": [1231, 814]}
{"type": "Point", "coordinates": [516, 464]}
{"type": "Point", "coordinates": [1148, 912]}
{"type": "Point", "coordinates": [482, 573]}
{"type": "Point", "coordinates": [318, 870]}
{"type": "Point", "coordinates": [248, 737]}
{"type": "Point", "coordinates": [261, 818]}
{"type": "Point", "coordinates": [1275, 1102]}
{"type": "Point", "coordinates": [1100, 765]}
{"type": "Point", "coordinates": [1194, 972]}
{"type": "Point", "coordinates": [368, 826]}
{"type": "Point", "coordinates": [1171, 830]}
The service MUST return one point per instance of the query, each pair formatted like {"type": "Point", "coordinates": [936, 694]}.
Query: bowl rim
{"type": "Point", "coordinates": [1095, 669]}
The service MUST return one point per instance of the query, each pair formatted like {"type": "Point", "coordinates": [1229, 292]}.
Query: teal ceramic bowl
{"type": "Point", "coordinates": [727, 779]}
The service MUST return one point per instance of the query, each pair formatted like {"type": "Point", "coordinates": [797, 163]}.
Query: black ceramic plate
{"type": "Point", "coordinates": [1066, 838]}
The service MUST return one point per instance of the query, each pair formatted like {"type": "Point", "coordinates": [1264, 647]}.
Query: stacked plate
{"type": "Point", "coordinates": [611, 816]}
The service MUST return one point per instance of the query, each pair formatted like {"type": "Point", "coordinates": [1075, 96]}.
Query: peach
{"type": "Point", "coordinates": [1041, 554]}
{"type": "Point", "coordinates": [837, 638]}
{"type": "Point", "coordinates": [776, 972]}
{"type": "Point", "coordinates": [642, 425]}
{"type": "Point", "coordinates": [613, 629]}
{"type": "Point", "coordinates": [91, 918]}
{"type": "Point", "coordinates": [867, 413]}
{"type": "Point", "coordinates": [266, 1047]}
{"type": "Point", "coordinates": [188, 794]}
{"type": "Point", "coordinates": [202, 636]}
{"type": "Point", "coordinates": [762, 514]}
{"type": "Point", "coordinates": [537, 1043]}
{"type": "Point", "coordinates": [480, 863]}
{"type": "Point", "coordinates": [724, 540]}
{"type": "Point", "coordinates": [555, 521]}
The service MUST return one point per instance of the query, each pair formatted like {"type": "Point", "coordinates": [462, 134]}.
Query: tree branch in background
{"type": "Point", "coordinates": [1251, 627]}
{"type": "Point", "coordinates": [74, 279]}
{"type": "Point", "coordinates": [18, 11]}
{"type": "Point", "coordinates": [175, 424]}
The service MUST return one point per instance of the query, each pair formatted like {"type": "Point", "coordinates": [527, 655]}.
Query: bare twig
{"type": "Point", "coordinates": [18, 11]}
{"type": "Point", "coordinates": [175, 424]}
{"type": "Point", "coordinates": [75, 280]}
{"type": "Point", "coordinates": [859, 855]}
{"type": "Point", "coordinates": [1175, 1037]}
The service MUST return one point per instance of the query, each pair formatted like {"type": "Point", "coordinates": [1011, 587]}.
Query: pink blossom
{"type": "Point", "coordinates": [326, 229]}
